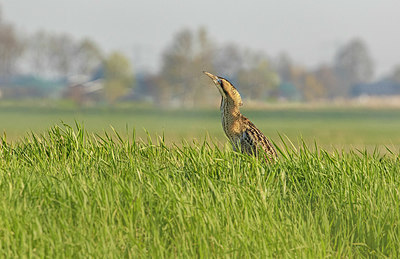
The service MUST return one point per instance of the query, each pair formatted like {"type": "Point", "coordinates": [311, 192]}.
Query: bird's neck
{"type": "Point", "coordinates": [231, 119]}
{"type": "Point", "coordinates": [229, 109]}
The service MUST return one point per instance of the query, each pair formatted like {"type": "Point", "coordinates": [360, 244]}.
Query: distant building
{"type": "Point", "coordinates": [22, 86]}
{"type": "Point", "coordinates": [384, 87]}
{"type": "Point", "coordinates": [289, 92]}
{"type": "Point", "coordinates": [83, 92]}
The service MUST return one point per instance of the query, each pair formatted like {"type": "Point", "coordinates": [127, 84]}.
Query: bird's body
{"type": "Point", "coordinates": [242, 133]}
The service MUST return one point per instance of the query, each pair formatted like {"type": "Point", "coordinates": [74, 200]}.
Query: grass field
{"type": "Point", "coordinates": [68, 193]}
{"type": "Point", "coordinates": [329, 127]}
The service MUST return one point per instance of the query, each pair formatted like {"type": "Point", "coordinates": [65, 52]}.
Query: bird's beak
{"type": "Point", "coordinates": [214, 78]}
{"type": "Point", "coordinates": [217, 82]}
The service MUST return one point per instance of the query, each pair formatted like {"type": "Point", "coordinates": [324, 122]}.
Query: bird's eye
{"type": "Point", "coordinates": [219, 80]}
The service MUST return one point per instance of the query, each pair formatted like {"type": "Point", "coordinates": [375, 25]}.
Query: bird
{"type": "Point", "coordinates": [242, 133]}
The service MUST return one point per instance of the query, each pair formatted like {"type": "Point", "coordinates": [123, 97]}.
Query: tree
{"type": "Point", "coordinates": [289, 75]}
{"type": "Point", "coordinates": [62, 54]}
{"type": "Point", "coordinates": [312, 88]}
{"type": "Point", "coordinates": [229, 60]}
{"type": "Point", "coordinates": [51, 55]}
{"type": "Point", "coordinates": [283, 65]}
{"type": "Point", "coordinates": [396, 74]}
{"type": "Point", "coordinates": [327, 77]}
{"type": "Point", "coordinates": [38, 53]}
{"type": "Point", "coordinates": [182, 63]}
{"type": "Point", "coordinates": [310, 85]}
{"type": "Point", "coordinates": [353, 65]}
{"type": "Point", "coordinates": [59, 55]}
{"type": "Point", "coordinates": [118, 76]}
{"type": "Point", "coordinates": [11, 48]}
{"type": "Point", "coordinates": [258, 81]}
{"type": "Point", "coordinates": [88, 57]}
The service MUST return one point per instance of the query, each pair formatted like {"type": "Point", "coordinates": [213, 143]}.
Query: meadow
{"type": "Point", "coordinates": [89, 190]}
{"type": "Point", "coordinates": [330, 127]}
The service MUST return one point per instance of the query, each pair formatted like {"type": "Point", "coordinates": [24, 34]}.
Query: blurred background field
{"type": "Point", "coordinates": [330, 127]}
{"type": "Point", "coordinates": [131, 68]}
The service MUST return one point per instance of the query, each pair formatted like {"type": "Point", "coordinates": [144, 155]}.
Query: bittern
{"type": "Point", "coordinates": [241, 132]}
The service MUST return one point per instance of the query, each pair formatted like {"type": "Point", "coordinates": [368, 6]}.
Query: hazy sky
{"type": "Point", "coordinates": [309, 30]}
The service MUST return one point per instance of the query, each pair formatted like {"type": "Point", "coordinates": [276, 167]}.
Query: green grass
{"type": "Point", "coordinates": [68, 193]}
{"type": "Point", "coordinates": [332, 128]}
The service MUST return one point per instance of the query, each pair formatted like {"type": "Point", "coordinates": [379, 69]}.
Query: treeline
{"type": "Point", "coordinates": [45, 64]}
{"type": "Point", "coordinates": [57, 65]}
{"type": "Point", "coordinates": [257, 75]}
{"type": "Point", "coordinates": [45, 54]}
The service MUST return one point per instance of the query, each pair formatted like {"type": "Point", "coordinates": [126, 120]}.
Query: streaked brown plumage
{"type": "Point", "coordinates": [242, 133]}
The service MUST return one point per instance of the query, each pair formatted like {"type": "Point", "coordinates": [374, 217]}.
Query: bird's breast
{"type": "Point", "coordinates": [232, 126]}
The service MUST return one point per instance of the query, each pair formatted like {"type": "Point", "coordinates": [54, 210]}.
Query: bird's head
{"type": "Point", "coordinates": [226, 89]}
